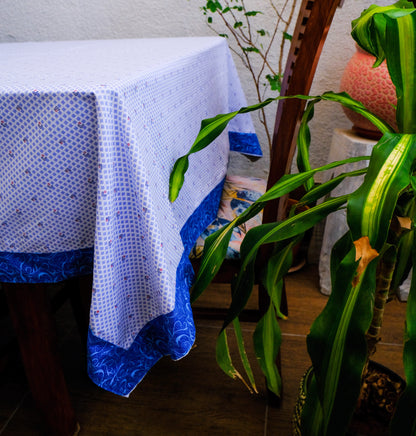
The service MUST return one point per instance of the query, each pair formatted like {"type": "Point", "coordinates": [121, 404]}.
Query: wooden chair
{"type": "Point", "coordinates": [313, 22]}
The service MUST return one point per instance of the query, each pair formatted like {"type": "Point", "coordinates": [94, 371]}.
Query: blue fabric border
{"type": "Point", "coordinates": [246, 143]}
{"type": "Point", "coordinates": [118, 370]}
{"type": "Point", "coordinates": [45, 267]}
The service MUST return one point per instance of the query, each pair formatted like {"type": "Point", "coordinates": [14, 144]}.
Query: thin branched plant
{"type": "Point", "coordinates": [255, 44]}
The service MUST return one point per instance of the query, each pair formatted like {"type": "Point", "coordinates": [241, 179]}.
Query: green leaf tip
{"type": "Point", "coordinates": [177, 177]}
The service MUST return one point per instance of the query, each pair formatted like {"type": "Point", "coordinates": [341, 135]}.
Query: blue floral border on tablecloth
{"type": "Point", "coordinates": [45, 267]}
{"type": "Point", "coordinates": [246, 143]}
{"type": "Point", "coordinates": [118, 370]}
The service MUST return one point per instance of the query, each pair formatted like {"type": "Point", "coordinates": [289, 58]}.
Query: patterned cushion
{"type": "Point", "coordinates": [238, 194]}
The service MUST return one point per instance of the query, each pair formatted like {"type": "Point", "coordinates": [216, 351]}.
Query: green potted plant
{"type": "Point", "coordinates": [368, 262]}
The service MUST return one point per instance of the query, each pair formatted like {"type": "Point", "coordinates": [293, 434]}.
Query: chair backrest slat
{"type": "Point", "coordinates": [314, 20]}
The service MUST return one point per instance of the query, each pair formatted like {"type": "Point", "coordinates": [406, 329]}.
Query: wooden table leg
{"type": "Point", "coordinates": [34, 324]}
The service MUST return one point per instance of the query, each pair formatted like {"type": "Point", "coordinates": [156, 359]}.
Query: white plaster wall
{"type": "Point", "coordinates": [39, 20]}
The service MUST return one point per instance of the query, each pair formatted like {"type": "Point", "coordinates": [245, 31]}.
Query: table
{"type": "Point", "coordinates": [89, 131]}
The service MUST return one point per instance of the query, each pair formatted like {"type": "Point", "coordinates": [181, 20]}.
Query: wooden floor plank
{"type": "Point", "coordinates": [192, 396]}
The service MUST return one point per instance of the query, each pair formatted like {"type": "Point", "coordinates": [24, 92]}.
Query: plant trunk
{"type": "Point", "coordinates": [384, 277]}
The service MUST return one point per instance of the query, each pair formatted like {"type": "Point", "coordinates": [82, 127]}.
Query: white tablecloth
{"type": "Point", "coordinates": [89, 132]}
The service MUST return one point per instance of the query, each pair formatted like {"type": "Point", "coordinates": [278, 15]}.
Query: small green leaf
{"type": "Point", "coordinates": [275, 81]}
{"type": "Point", "coordinates": [238, 24]}
{"type": "Point", "coordinates": [213, 5]}
{"type": "Point", "coordinates": [251, 49]}
{"type": "Point", "coordinates": [287, 36]}
{"type": "Point", "coordinates": [261, 32]}
{"type": "Point", "coordinates": [252, 13]}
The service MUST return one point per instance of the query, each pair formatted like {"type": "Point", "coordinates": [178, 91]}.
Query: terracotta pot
{"type": "Point", "coordinates": [372, 87]}
{"type": "Point", "coordinates": [375, 407]}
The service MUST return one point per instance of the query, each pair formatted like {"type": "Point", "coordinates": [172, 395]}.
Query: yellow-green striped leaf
{"type": "Point", "coordinates": [368, 29]}
{"type": "Point", "coordinates": [337, 344]}
{"type": "Point", "coordinates": [211, 128]}
{"type": "Point", "coordinates": [400, 49]}
{"type": "Point", "coordinates": [371, 207]}
{"type": "Point", "coordinates": [388, 32]}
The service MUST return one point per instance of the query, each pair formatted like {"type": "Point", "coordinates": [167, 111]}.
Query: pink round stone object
{"type": "Point", "coordinates": [372, 87]}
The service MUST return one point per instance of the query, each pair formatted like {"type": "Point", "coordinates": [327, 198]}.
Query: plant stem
{"type": "Point", "coordinates": [383, 281]}
{"type": "Point", "coordinates": [253, 55]}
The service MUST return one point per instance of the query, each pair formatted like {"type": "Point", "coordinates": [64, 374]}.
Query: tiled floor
{"type": "Point", "coordinates": [192, 396]}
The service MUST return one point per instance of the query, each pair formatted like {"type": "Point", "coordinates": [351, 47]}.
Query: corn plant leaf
{"type": "Point", "coordinates": [368, 29]}
{"type": "Point", "coordinates": [243, 354]}
{"type": "Point", "coordinates": [312, 414]}
{"type": "Point", "coordinates": [370, 208]}
{"type": "Point", "coordinates": [267, 336]}
{"type": "Point", "coordinates": [215, 250]}
{"type": "Point", "coordinates": [404, 419]}
{"type": "Point", "coordinates": [401, 62]}
{"type": "Point", "coordinates": [356, 106]}
{"type": "Point", "coordinates": [292, 181]}
{"type": "Point", "coordinates": [337, 345]}
{"type": "Point", "coordinates": [325, 188]}
{"type": "Point", "coordinates": [304, 141]}
{"type": "Point", "coordinates": [211, 128]}
{"type": "Point", "coordinates": [215, 247]}
{"type": "Point", "coordinates": [385, 33]}
{"type": "Point", "coordinates": [267, 339]}
{"type": "Point", "coordinates": [277, 267]}
{"type": "Point", "coordinates": [224, 359]}
{"type": "Point", "coordinates": [177, 176]}
{"type": "Point", "coordinates": [271, 233]}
